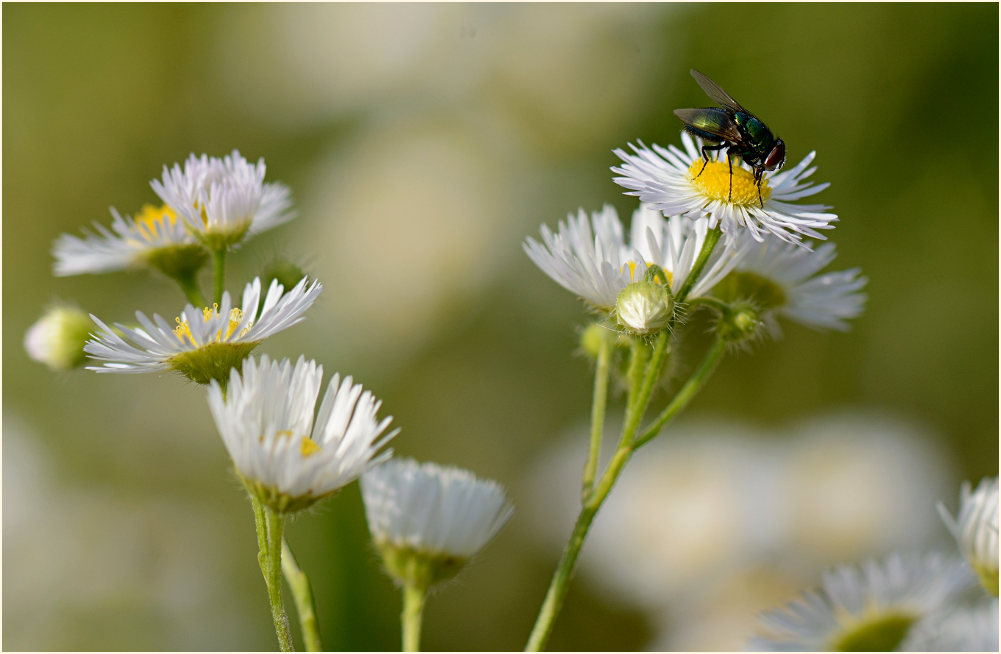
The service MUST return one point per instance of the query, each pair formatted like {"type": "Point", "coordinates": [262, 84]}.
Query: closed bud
{"type": "Point", "coordinates": [739, 323]}
{"type": "Point", "coordinates": [644, 307]}
{"type": "Point", "coordinates": [58, 337]}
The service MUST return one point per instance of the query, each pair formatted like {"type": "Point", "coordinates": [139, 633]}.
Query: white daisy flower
{"type": "Point", "coordinates": [223, 200]}
{"type": "Point", "coordinates": [205, 343]}
{"type": "Point", "coordinates": [153, 237]}
{"type": "Point", "coordinates": [867, 608]}
{"type": "Point", "coordinates": [597, 264]}
{"type": "Point", "coordinates": [441, 512]}
{"type": "Point", "coordinates": [782, 278]}
{"type": "Point", "coordinates": [57, 338]}
{"type": "Point", "coordinates": [679, 182]}
{"type": "Point", "coordinates": [265, 417]}
{"type": "Point", "coordinates": [976, 529]}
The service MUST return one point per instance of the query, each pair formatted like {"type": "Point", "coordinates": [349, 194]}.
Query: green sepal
{"type": "Point", "coordinates": [419, 568]}
{"type": "Point", "coordinates": [178, 261]}
{"type": "Point", "coordinates": [279, 502]}
{"type": "Point", "coordinates": [211, 361]}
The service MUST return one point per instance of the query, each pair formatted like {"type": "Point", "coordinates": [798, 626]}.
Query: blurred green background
{"type": "Point", "coordinates": [422, 144]}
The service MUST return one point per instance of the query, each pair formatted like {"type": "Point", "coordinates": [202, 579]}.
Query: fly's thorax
{"type": "Point", "coordinates": [757, 132]}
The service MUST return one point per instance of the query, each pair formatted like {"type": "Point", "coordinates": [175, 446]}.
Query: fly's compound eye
{"type": "Point", "coordinates": [776, 157]}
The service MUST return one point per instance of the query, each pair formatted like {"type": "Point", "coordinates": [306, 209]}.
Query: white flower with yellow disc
{"type": "Point", "coordinates": [284, 456]}
{"type": "Point", "coordinates": [679, 182]}
{"type": "Point", "coordinates": [205, 343]}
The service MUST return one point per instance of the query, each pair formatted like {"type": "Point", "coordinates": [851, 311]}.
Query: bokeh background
{"type": "Point", "coordinates": [422, 144]}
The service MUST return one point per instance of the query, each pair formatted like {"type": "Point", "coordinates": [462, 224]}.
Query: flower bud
{"type": "Point", "coordinates": [739, 323]}
{"type": "Point", "coordinates": [58, 337]}
{"type": "Point", "coordinates": [644, 307]}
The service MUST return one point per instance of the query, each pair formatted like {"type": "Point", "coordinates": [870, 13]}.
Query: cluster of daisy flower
{"type": "Point", "coordinates": [757, 260]}
{"type": "Point", "coordinates": [905, 602]}
{"type": "Point", "coordinates": [288, 453]}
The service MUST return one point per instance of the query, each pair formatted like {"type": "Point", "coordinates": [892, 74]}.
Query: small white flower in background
{"type": "Point", "coordinates": [265, 418]}
{"type": "Point", "coordinates": [675, 183]}
{"type": "Point", "coordinates": [592, 259]}
{"type": "Point", "coordinates": [153, 237]}
{"type": "Point", "coordinates": [223, 200]}
{"type": "Point", "coordinates": [57, 338]}
{"type": "Point", "coordinates": [204, 343]}
{"type": "Point", "coordinates": [783, 279]}
{"type": "Point", "coordinates": [976, 529]}
{"type": "Point", "coordinates": [872, 607]}
{"type": "Point", "coordinates": [433, 516]}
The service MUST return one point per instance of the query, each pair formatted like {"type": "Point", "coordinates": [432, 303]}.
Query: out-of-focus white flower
{"type": "Point", "coordinates": [976, 529]}
{"type": "Point", "coordinates": [443, 515]}
{"type": "Point", "coordinates": [205, 343]}
{"type": "Point", "coordinates": [153, 237]}
{"type": "Point", "coordinates": [783, 279]}
{"type": "Point", "coordinates": [868, 608]}
{"type": "Point", "coordinates": [223, 200]}
{"type": "Point", "coordinates": [679, 182]}
{"type": "Point", "coordinates": [265, 417]}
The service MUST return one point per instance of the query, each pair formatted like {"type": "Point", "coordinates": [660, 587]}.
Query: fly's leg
{"type": "Point", "coordinates": [705, 155]}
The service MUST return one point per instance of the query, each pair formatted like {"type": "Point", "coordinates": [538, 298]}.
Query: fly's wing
{"type": "Point", "coordinates": [711, 123]}
{"type": "Point", "coordinates": [714, 91]}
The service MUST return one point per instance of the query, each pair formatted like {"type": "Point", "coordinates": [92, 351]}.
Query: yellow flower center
{"type": "Point", "coordinates": [715, 183]}
{"type": "Point", "coordinates": [183, 330]}
{"type": "Point", "coordinates": [149, 215]}
{"type": "Point", "coordinates": [307, 448]}
{"type": "Point", "coordinates": [631, 265]}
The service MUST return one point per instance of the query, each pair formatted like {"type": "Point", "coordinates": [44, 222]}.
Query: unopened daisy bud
{"type": "Point", "coordinates": [427, 520]}
{"type": "Point", "coordinates": [644, 307]}
{"type": "Point", "coordinates": [976, 530]}
{"type": "Point", "coordinates": [739, 324]}
{"type": "Point", "coordinates": [287, 272]}
{"type": "Point", "coordinates": [285, 459]}
{"type": "Point", "coordinates": [594, 336]}
{"type": "Point", "coordinates": [58, 337]}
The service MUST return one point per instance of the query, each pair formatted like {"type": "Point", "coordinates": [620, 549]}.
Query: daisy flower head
{"type": "Point", "coordinates": [154, 237]}
{"type": "Point", "coordinates": [287, 459]}
{"type": "Point", "coordinates": [223, 200]}
{"type": "Point", "coordinates": [782, 279]}
{"type": "Point", "coordinates": [868, 608]}
{"type": "Point", "coordinates": [204, 344]}
{"type": "Point", "coordinates": [677, 182]}
{"type": "Point", "coordinates": [590, 257]}
{"type": "Point", "coordinates": [428, 519]}
{"type": "Point", "coordinates": [975, 528]}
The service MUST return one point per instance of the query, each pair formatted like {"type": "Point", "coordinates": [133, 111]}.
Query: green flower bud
{"type": "Point", "coordinates": [58, 337]}
{"type": "Point", "coordinates": [644, 307]}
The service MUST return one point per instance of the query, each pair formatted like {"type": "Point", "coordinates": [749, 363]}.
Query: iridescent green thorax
{"type": "Point", "coordinates": [756, 131]}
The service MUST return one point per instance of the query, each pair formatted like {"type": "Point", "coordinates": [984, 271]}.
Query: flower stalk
{"type": "Point", "coordinates": [302, 594]}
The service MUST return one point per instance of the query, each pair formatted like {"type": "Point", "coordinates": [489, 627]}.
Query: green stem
{"type": "Point", "coordinates": [219, 265]}
{"type": "Point", "coordinates": [600, 402]}
{"type": "Point", "coordinates": [189, 284]}
{"type": "Point", "coordinates": [270, 559]}
{"type": "Point", "coordinates": [302, 593]}
{"type": "Point", "coordinates": [640, 389]}
{"type": "Point", "coordinates": [685, 394]}
{"type": "Point", "coordinates": [653, 370]}
{"type": "Point", "coordinates": [712, 237]}
{"type": "Point", "coordinates": [412, 616]}
{"type": "Point", "coordinates": [560, 584]}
